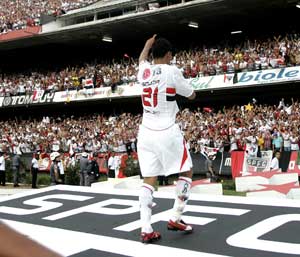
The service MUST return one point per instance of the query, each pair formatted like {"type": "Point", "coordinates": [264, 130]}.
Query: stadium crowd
{"type": "Point", "coordinates": [244, 127]}
{"type": "Point", "coordinates": [18, 14]}
{"type": "Point", "coordinates": [281, 51]}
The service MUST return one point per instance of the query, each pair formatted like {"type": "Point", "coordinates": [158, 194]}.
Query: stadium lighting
{"type": "Point", "coordinates": [107, 39]}
{"type": "Point", "coordinates": [236, 32]}
{"type": "Point", "coordinates": [193, 24]}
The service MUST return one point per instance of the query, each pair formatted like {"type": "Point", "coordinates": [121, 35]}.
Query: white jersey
{"type": "Point", "coordinates": [161, 82]}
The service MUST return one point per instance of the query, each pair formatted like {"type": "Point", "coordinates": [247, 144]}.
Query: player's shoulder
{"type": "Point", "coordinates": [174, 69]}
{"type": "Point", "coordinates": [144, 71]}
{"type": "Point", "coordinates": [144, 63]}
{"type": "Point", "coordinates": [171, 67]}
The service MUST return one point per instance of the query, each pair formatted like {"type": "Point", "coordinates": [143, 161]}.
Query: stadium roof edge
{"type": "Point", "coordinates": [51, 28]}
{"type": "Point", "coordinates": [96, 6]}
{"type": "Point", "coordinates": [210, 14]}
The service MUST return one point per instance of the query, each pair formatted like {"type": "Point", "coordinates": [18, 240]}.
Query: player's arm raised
{"type": "Point", "coordinates": [145, 52]}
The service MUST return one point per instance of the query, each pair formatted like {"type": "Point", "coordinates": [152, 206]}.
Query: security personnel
{"type": "Point", "coordinates": [93, 170]}
{"type": "Point", "coordinates": [83, 163]}
{"type": "Point", "coordinates": [16, 163]}
{"type": "Point", "coordinates": [2, 169]}
{"type": "Point", "coordinates": [34, 170]}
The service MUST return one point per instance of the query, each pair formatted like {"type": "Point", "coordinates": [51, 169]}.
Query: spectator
{"type": "Point", "coordinates": [286, 141]}
{"type": "Point", "coordinates": [294, 142]}
{"type": "Point", "coordinates": [267, 141]}
{"type": "Point", "coordinates": [54, 169]}
{"type": "Point", "coordinates": [260, 142]}
{"type": "Point", "coordinates": [277, 142]}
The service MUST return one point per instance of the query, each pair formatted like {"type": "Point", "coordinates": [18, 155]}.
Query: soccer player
{"type": "Point", "coordinates": [161, 147]}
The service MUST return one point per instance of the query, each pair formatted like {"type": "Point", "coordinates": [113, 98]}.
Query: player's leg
{"type": "Point", "coordinates": [150, 168]}
{"type": "Point", "coordinates": [177, 159]}
{"type": "Point", "coordinates": [182, 193]}
{"type": "Point", "coordinates": [146, 204]}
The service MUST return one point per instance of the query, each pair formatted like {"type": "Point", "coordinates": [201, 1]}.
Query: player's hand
{"type": "Point", "coordinates": [144, 54]}
{"type": "Point", "coordinates": [150, 41]}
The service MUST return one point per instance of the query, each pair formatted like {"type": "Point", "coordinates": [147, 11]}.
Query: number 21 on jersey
{"type": "Point", "coordinates": [149, 98]}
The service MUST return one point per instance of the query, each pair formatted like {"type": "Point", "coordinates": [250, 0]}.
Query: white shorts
{"type": "Point", "coordinates": [162, 152]}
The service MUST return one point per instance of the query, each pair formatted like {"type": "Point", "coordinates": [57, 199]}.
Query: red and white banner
{"type": "Point", "coordinates": [44, 162]}
{"type": "Point", "coordinates": [205, 150]}
{"type": "Point", "coordinates": [294, 164]}
{"type": "Point", "coordinates": [240, 162]}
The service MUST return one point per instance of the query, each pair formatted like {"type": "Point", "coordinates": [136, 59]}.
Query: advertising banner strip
{"type": "Point", "coordinates": [250, 78]}
{"type": "Point", "coordinates": [38, 97]}
{"type": "Point", "coordinates": [225, 81]}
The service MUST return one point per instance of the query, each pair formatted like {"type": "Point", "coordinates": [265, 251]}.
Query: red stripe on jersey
{"type": "Point", "coordinates": [155, 97]}
{"type": "Point", "coordinates": [171, 90]}
{"type": "Point", "coordinates": [184, 156]}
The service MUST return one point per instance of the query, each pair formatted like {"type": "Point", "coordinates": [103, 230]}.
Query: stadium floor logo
{"type": "Point", "coordinates": [78, 221]}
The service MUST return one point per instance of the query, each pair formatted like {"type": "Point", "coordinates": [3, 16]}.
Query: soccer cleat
{"type": "Point", "coordinates": [179, 225]}
{"type": "Point", "coordinates": [150, 237]}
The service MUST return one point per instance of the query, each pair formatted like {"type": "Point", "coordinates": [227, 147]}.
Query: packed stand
{"type": "Point", "coordinates": [15, 15]}
{"type": "Point", "coordinates": [76, 78]}
{"type": "Point", "coordinates": [281, 51]}
{"type": "Point", "coordinates": [248, 56]}
{"type": "Point", "coordinates": [69, 134]}
{"type": "Point", "coordinates": [251, 127]}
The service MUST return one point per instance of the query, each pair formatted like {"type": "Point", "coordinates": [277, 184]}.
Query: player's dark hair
{"type": "Point", "coordinates": [160, 47]}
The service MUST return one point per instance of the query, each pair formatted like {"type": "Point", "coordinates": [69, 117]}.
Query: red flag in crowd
{"type": "Point", "coordinates": [207, 109]}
